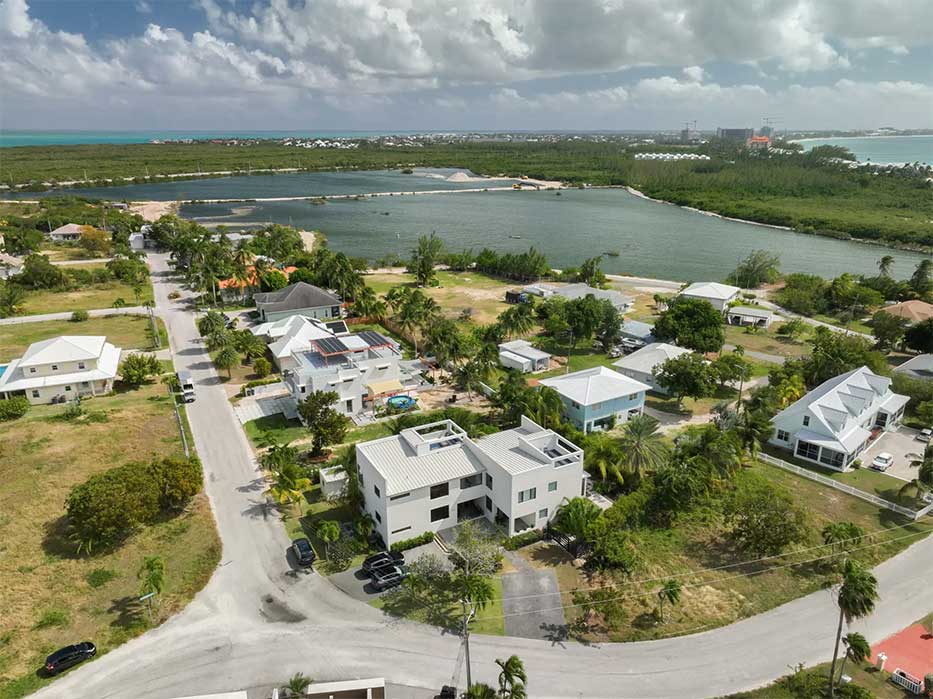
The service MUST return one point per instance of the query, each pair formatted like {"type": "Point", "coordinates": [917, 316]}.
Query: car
{"type": "Point", "coordinates": [304, 554]}
{"type": "Point", "coordinates": [616, 352]}
{"type": "Point", "coordinates": [383, 559]}
{"type": "Point", "coordinates": [925, 435]}
{"type": "Point", "coordinates": [388, 577]}
{"type": "Point", "coordinates": [882, 462]}
{"type": "Point", "coordinates": [69, 656]}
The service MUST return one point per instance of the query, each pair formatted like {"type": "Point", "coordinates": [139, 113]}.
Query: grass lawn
{"type": "Point", "coordinates": [86, 298]}
{"type": "Point", "coordinates": [440, 608]}
{"type": "Point", "coordinates": [60, 252]}
{"type": "Point", "coordinates": [690, 406]}
{"type": "Point", "coordinates": [700, 541]}
{"type": "Point", "coordinates": [863, 675]}
{"type": "Point", "coordinates": [766, 341]}
{"type": "Point", "coordinates": [854, 325]}
{"type": "Point", "coordinates": [581, 357]}
{"type": "Point", "coordinates": [484, 296]}
{"type": "Point", "coordinates": [128, 332]}
{"type": "Point", "coordinates": [239, 373]}
{"type": "Point", "coordinates": [50, 595]}
{"type": "Point", "coordinates": [280, 428]}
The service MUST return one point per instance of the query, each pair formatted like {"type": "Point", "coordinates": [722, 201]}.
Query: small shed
{"type": "Point", "coordinates": [333, 482]}
{"type": "Point", "coordinates": [749, 316]}
{"type": "Point", "coordinates": [516, 296]}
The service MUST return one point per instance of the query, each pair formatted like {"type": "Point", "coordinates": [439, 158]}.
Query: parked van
{"type": "Point", "coordinates": [186, 385]}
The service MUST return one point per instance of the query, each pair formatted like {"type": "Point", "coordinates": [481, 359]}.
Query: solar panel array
{"type": "Point", "coordinates": [374, 339]}
{"type": "Point", "coordinates": [331, 345]}
{"type": "Point", "coordinates": [337, 326]}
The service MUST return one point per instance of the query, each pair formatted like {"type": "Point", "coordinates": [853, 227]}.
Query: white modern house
{"type": "Point", "coordinates": [720, 295]}
{"type": "Point", "coordinates": [521, 355]}
{"type": "Point", "coordinates": [59, 369]}
{"type": "Point", "coordinates": [290, 335]}
{"type": "Point", "coordinates": [362, 368]}
{"type": "Point", "coordinates": [834, 422]}
{"type": "Point", "coordinates": [595, 398]}
{"type": "Point", "coordinates": [432, 477]}
{"type": "Point", "coordinates": [641, 364]}
{"type": "Point", "coordinates": [750, 316]}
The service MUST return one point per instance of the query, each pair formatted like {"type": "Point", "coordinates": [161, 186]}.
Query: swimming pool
{"type": "Point", "coordinates": [402, 402]}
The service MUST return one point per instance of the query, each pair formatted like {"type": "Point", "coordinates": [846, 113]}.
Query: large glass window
{"type": "Point", "coordinates": [836, 459]}
{"type": "Point", "coordinates": [439, 513]}
{"type": "Point", "coordinates": [471, 481]}
{"type": "Point", "coordinates": [526, 495]}
{"type": "Point", "coordinates": [439, 490]}
{"type": "Point", "coordinates": [807, 450]}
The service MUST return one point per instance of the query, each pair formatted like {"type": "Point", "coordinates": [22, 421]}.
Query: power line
{"type": "Point", "coordinates": [689, 585]}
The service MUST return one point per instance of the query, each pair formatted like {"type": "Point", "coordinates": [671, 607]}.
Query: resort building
{"type": "Point", "coordinates": [363, 369]}
{"type": "Point", "coordinates": [720, 295]}
{"type": "Point", "coordinates": [520, 355]}
{"type": "Point", "coordinates": [641, 364]}
{"type": "Point", "coordinates": [432, 477]}
{"type": "Point", "coordinates": [749, 316]}
{"type": "Point", "coordinates": [834, 422]}
{"type": "Point", "coordinates": [68, 232]}
{"type": "Point", "coordinates": [298, 299]}
{"type": "Point", "coordinates": [595, 399]}
{"type": "Point", "coordinates": [62, 368]}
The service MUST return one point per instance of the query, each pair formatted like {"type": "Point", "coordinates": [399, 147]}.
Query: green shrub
{"type": "Point", "coordinates": [52, 617]}
{"type": "Point", "coordinates": [524, 539]}
{"type": "Point", "coordinates": [406, 544]}
{"type": "Point", "coordinates": [100, 577]}
{"type": "Point", "coordinates": [13, 408]}
{"type": "Point", "coordinates": [79, 316]}
{"type": "Point", "coordinates": [138, 367]}
{"type": "Point", "coordinates": [262, 367]}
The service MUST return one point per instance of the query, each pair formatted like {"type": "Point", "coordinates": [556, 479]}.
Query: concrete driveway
{"type": "Point", "coordinates": [903, 446]}
{"type": "Point", "coordinates": [532, 603]}
{"type": "Point", "coordinates": [355, 582]}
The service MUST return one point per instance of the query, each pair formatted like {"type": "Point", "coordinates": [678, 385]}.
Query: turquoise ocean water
{"type": "Point", "coordinates": [882, 149]}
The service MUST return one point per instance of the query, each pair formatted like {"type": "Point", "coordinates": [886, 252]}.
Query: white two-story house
{"type": "Point", "coordinates": [432, 477]}
{"type": "Point", "coordinates": [833, 423]}
{"type": "Point", "coordinates": [62, 368]}
{"type": "Point", "coordinates": [363, 369]}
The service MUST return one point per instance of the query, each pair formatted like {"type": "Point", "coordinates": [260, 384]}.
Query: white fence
{"type": "Point", "coordinates": [911, 684]}
{"type": "Point", "coordinates": [855, 492]}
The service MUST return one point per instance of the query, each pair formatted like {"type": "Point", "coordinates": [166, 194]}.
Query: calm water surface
{"type": "Point", "coordinates": [882, 149]}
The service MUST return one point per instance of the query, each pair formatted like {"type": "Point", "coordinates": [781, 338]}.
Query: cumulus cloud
{"type": "Point", "coordinates": [410, 63]}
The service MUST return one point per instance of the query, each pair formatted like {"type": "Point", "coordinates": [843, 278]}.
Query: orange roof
{"type": "Point", "coordinates": [914, 310]}
{"type": "Point", "coordinates": [237, 284]}
{"type": "Point", "coordinates": [760, 139]}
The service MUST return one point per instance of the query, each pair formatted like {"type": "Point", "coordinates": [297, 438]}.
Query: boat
{"type": "Point", "coordinates": [612, 253]}
{"type": "Point", "coordinates": [515, 236]}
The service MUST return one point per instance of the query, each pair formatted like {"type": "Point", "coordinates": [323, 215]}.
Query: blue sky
{"type": "Point", "coordinates": [486, 64]}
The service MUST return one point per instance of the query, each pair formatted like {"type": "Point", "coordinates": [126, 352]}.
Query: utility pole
{"type": "Point", "coordinates": [569, 351]}
{"type": "Point", "coordinates": [466, 641]}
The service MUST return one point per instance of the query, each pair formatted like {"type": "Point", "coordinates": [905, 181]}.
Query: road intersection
{"type": "Point", "coordinates": [258, 621]}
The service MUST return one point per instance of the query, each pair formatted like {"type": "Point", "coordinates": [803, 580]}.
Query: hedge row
{"type": "Point", "coordinates": [406, 544]}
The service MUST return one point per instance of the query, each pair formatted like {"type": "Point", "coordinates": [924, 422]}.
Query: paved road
{"type": "Point", "coordinates": [38, 318]}
{"type": "Point", "coordinates": [70, 263]}
{"type": "Point", "coordinates": [258, 621]}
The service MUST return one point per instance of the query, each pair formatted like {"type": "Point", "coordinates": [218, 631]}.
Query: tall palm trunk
{"type": "Point", "coordinates": [832, 668]}
{"type": "Point", "coordinates": [842, 665]}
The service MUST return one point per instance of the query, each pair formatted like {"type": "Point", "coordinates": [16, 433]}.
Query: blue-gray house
{"type": "Point", "coordinates": [595, 398]}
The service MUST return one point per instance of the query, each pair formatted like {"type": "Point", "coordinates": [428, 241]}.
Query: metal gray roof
{"type": "Point", "coordinates": [404, 470]}
{"type": "Point", "coordinates": [294, 297]}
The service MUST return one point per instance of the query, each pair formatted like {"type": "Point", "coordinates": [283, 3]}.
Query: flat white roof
{"type": "Point", "coordinates": [711, 290]}
{"type": "Point", "coordinates": [751, 311]}
{"type": "Point", "coordinates": [595, 385]}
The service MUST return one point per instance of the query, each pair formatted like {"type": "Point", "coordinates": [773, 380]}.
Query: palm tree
{"type": "Point", "coordinates": [11, 296]}
{"type": "Point", "coordinates": [298, 684]}
{"type": "Point", "coordinates": [467, 377]}
{"type": "Point", "coordinates": [856, 598]}
{"type": "Point", "coordinates": [365, 526]}
{"type": "Point", "coordinates": [576, 518]}
{"type": "Point", "coordinates": [512, 677]}
{"type": "Point", "coordinates": [210, 323]}
{"type": "Point", "coordinates": [227, 358]}
{"type": "Point", "coordinates": [368, 305]}
{"type": "Point", "coordinates": [329, 532]}
{"type": "Point", "coordinates": [517, 320]}
{"type": "Point", "coordinates": [790, 390]}
{"type": "Point", "coordinates": [753, 428]}
{"type": "Point", "coordinates": [643, 447]}
{"type": "Point", "coordinates": [857, 649]}
{"type": "Point", "coordinates": [480, 691]}
{"type": "Point", "coordinates": [669, 592]}
{"type": "Point", "coordinates": [250, 345]}
{"type": "Point", "coordinates": [289, 483]}
{"type": "Point", "coordinates": [152, 575]}
{"type": "Point", "coordinates": [603, 454]}
{"type": "Point", "coordinates": [885, 264]}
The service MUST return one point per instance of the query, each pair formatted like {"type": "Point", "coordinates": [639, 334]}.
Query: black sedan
{"type": "Point", "coordinates": [69, 656]}
{"type": "Point", "coordinates": [383, 559]}
{"type": "Point", "coordinates": [304, 554]}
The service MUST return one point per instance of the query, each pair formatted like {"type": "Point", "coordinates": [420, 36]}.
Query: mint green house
{"type": "Point", "coordinates": [596, 398]}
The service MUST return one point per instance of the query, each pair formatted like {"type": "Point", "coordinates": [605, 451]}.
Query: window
{"type": "Point", "coordinates": [55, 367]}
{"type": "Point", "coordinates": [376, 490]}
{"type": "Point", "coordinates": [526, 495]}
{"type": "Point", "coordinates": [439, 513]}
{"type": "Point", "coordinates": [807, 450]}
{"type": "Point", "coordinates": [633, 396]}
{"type": "Point", "coordinates": [489, 481]}
{"type": "Point", "coordinates": [80, 365]}
{"type": "Point", "coordinates": [360, 476]}
{"type": "Point", "coordinates": [542, 513]}
{"type": "Point", "coordinates": [832, 458]}
{"type": "Point", "coordinates": [552, 486]}
{"type": "Point", "coordinates": [84, 384]}
{"type": "Point", "coordinates": [439, 491]}
{"type": "Point", "coordinates": [35, 394]}
{"type": "Point", "coordinates": [471, 481]}
{"type": "Point", "coordinates": [403, 529]}
{"type": "Point", "coordinates": [399, 496]}
{"type": "Point", "coordinates": [67, 388]}
{"type": "Point", "coordinates": [488, 504]}
{"type": "Point", "coordinates": [32, 370]}
{"type": "Point", "coordinates": [806, 420]}
{"type": "Point", "coordinates": [881, 420]}
{"type": "Point", "coordinates": [783, 436]}
{"type": "Point", "coordinates": [378, 517]}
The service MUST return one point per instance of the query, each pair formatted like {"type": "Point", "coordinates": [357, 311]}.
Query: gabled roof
{"type": "Point", "coordinates": [576, 291]}
{"type": "Point", "coordinates": [294, 297]}
{"type": "Point", "coordinates": [68, 229]}
{"type": "Point", "coordinates": [15, 379]}
{"type": "Point", "coordinates": [914, 310]}
{"type": "Point", "coordinates": [67, 348]}
{"type": "Point", "coordinates": [299, 336]}
{"type": "Point", "coordinates": [594, 385]}
{"type": "Point", "coordinates": [839, 405]}
{"type": "Point", "coordinates": [650, 356]}
{"type": "Point", "coordinates": [751, 312]}
{"type": "Point", "coordinates": [711, 290]}
{"type": "Point", "coordinates": [635, 328]}
{"type": "Point", "coordinates": [920, 366]}
{"type": "Point", "coordinates": [523, 349]}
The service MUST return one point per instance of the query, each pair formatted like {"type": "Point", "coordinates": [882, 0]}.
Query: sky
{"type": "Point", "coordinates": [410, 65]}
